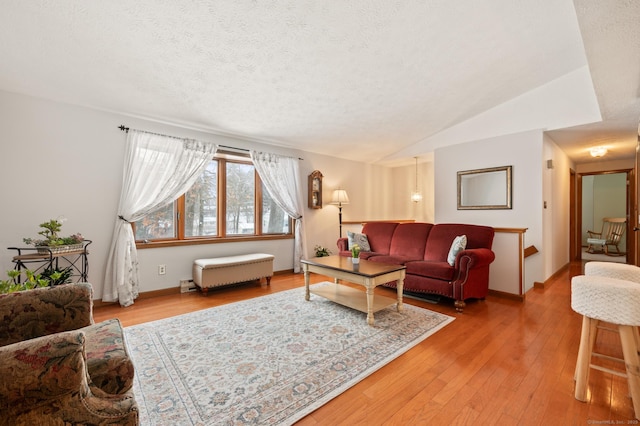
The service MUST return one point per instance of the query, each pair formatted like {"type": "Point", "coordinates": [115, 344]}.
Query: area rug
{"type": "Point", "coordinates": [269, 360]}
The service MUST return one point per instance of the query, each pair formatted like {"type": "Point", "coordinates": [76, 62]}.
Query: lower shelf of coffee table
{"type": "Point", "coordinates": [351, 297]}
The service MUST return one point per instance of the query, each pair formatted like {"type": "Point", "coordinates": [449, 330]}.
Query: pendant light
{"type": "Point", "coordinates": [416, 196]}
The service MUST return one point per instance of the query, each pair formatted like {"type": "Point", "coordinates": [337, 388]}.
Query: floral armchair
{"type": "Point", "coordinates": [57, 366]}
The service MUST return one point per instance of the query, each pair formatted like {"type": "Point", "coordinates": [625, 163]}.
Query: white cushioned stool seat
{"type": "Point", "coordinates": [607, 299]}
{"type": "Point", "coordinates": [621, 271]}
{"type": "Point", "coordinates": [616, 301]}
{"type": "Point", "coordinates": [219, 271]}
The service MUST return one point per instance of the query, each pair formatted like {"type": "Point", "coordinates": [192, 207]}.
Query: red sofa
{"type": "Point", "coordinates": [423, 248]}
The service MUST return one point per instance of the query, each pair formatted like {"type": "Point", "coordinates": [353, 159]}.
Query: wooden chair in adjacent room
{"type": "Point", "coordinates": [610, 235]}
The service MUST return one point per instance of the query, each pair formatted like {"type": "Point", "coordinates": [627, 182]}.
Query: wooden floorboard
{"type": "Point", "coordinates": [500, 362]}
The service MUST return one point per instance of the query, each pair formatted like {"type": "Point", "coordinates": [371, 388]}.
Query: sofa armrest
{"type": "Point", "coordinates": [474, 258]}
{"type": "Point", "coordinates": [45, 380]}
{"type": "Point", "coordinates": [343, 244]}
{"type": "Point", "coordinates": [41, 369]}
{"type": "Point", "coordinates": [42, 311]}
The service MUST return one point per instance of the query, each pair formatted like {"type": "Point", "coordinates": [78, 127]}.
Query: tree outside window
{"type": "Point", "coordinates": [223, 203]}
{"type": "Point", "coordinates": [240, 199]}
{"type": "Point", "coordinates": [274, 219]}
{"type": "Point", "coordinates": [201, 204]}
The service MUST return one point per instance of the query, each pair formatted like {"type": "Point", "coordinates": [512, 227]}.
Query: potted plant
{"type": "Point", "coordinates": [52, 241]}
{"type": "Point", "coordinates": [32, 281]}
{"type": "Point", "coordinates": [321, 251]}
{"type": "Point", "coordinates": [56, 276]}
{"type": "Point", "coordinates": [49, 277]}
{"type": "Point", "coordinates": [355, 252]}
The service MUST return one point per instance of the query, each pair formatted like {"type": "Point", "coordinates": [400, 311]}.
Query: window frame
{"type": "Point", "coordinates": [221, 237]}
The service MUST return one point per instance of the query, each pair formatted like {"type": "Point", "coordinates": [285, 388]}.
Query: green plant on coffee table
{"type": "Point", "coordinates": [31, 281]}
{"type": "Point", "coordinates": [355, 250]}
{"type": "Point", "coordinates": [51, 238]}
{"type": "Point", "coordinates": [321, 251]}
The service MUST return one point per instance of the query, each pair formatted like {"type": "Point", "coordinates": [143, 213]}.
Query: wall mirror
{"type": "Point", "coordinates": [485, 189]}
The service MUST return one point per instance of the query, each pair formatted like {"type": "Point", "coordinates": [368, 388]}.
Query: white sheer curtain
{"type": "Point", "coordinates": [281, 177]}
{"type": "Point", "coordinates": [158, 169]}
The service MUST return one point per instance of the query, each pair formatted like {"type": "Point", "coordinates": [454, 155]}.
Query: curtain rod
{"type": "Point", "coordinates": [126, 129]}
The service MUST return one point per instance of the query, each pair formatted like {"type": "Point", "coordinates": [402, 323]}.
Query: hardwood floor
{"type": "Point", "coordinates": [501, 362]}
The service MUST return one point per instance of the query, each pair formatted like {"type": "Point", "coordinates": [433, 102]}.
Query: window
{"type": "Point", "coordinates": [241, 194]}
{"type": "Point", "coordinates": [228, 201]}
{"type": "Point", "coordinates": [201, 204]}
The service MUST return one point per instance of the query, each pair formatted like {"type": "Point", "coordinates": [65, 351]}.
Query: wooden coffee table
{"type": "Point", "coordinates": [367, 273]}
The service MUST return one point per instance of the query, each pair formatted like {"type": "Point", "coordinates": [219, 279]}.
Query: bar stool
{"type": "Point", "coordinates": [621, 271]}
{"type": "Point", "coordinates": [615, 301]}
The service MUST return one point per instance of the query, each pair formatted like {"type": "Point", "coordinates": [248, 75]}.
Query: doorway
{"type": "Point", "coordinates": [600, 195]}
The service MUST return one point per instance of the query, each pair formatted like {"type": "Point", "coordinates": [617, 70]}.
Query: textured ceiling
{"type": "Point", "coordinates": [370, 80]}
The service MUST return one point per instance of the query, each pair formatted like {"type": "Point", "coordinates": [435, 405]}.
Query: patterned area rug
{"type": "Point", "coordinates": [268, 360]}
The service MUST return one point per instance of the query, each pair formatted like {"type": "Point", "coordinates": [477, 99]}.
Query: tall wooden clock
{"type": "Point", "coordinates": [315, 190]}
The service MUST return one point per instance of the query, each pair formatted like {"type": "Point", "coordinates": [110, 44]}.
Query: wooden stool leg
{"type": "Point", "coordinates": [587, 339]}
{"type": "Point", "coordinates": [632, 363]}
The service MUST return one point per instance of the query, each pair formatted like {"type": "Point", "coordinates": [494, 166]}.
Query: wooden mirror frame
{"type": "Point", "coordinates": [485, 189]}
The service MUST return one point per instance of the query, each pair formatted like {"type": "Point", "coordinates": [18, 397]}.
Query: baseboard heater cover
{"type": "Point", "coordinates": [186, 286]}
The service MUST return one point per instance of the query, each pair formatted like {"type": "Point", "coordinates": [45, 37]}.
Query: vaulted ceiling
{"type": "Point", "coordinates": [378, 81]}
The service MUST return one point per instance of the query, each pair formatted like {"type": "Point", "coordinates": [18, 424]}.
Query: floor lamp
{"type": "Point", "coordinates": [340, 197]}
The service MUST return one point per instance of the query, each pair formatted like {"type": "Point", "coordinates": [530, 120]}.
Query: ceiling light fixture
{"type": "Point", "coordinates": [598, 151]}
{"type": "Point", "coordinates": [416, 196]}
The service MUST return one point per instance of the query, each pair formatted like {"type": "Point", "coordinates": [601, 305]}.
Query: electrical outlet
{"type": "Point", "coordinates": [162, 269]}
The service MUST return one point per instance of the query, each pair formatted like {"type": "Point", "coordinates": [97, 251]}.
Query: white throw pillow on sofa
{"type": "Point", "coordinates": [359, 239]}
{"type": "Point", "coordinates": [459, 244]}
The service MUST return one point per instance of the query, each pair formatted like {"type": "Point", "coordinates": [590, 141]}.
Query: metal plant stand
{"type": "Point", "coordinates": [40, 259]}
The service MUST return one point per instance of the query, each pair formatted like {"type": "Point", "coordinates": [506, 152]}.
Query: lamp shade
{"type": "Point", "coordinates": [340, 197]}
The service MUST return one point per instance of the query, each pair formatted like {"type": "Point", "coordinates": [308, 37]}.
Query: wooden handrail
{"type": "Point", "coordinates": [529, 251]}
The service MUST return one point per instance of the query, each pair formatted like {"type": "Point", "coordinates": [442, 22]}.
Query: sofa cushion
{"type": "Point", "coordinates": [40, 369]}
{"type": "Point", "coordinates": [431, 269]}
{"type": "Point", "coordinates": [459, 244]}
{"type": "Point", "coordinates": [359, 239]}
{"type": "Point", "coordinates": [389, 258]}
{"type": "Point", "coordinates": [366, 254]}
{"type": "Point", "coordinates": [408, 240]}
{"type": "Point", "coordinates": [379, 235]}
{"type": "Point", "coordinates": [442, 234]}
{"type": "Point", "coordinates": [42, 311]}
{"type": "Point", "coordinates": [108, 362]}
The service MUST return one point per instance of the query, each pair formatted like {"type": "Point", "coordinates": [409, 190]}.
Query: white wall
{"type": "Point", "coordinates": [523, 151]}
{"type": "Point", "coordinates": [62, 160]}
{"type": "Point", "coordinates": [368, 187]}
{"type": "Point", "coordinates": [404, 179]}
{"type": "Point", "coordinates": [605, 166]}
{"type": "Point", "coordinates": [587, 213]}
{"type": "Point", "coordinates": [556, 214]}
